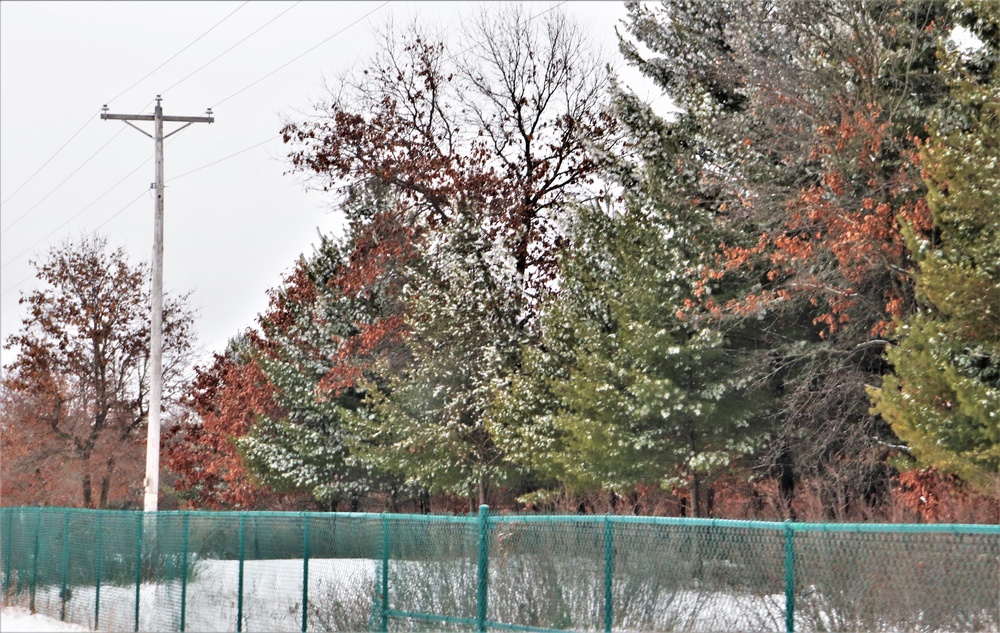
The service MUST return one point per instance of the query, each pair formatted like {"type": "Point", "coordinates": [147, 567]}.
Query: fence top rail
{"type": "Point", "coordinates": [775, 526]}
{"type": "Point", "coordinates": [949, 528]}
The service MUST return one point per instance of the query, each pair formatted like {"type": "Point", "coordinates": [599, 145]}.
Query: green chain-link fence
{"type": "Point", "coordinates": [271, 571]}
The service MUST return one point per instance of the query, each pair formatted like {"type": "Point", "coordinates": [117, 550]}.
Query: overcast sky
{"type": "Point", "coordinates": [234, 223]}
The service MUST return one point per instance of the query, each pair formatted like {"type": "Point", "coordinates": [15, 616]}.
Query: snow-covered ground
{"type": "Point", "coordinates": [20, 620]}
{"type": "Point", "coordinates": [342, 594]}
{"type": "Point", "coordinates": [340, 598]}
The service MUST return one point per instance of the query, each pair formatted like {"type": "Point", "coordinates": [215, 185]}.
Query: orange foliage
{"type": "Point", "coordinates": [228, 397]}
{"type": "Point", "coordinates": [842, 236]}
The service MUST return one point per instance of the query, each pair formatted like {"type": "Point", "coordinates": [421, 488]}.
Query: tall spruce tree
{"type": "Point", "coordinates": [302, 446]}
{"type": "Point", "coordinates": [943, 396]}
{"type": "Point", "coordinates": [431, 421]}
{"type": "Point", "coordinates": [631, 385]}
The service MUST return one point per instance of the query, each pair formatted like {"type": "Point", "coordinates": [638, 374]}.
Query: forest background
{"type": "Point", "coordinates": [783, 300]}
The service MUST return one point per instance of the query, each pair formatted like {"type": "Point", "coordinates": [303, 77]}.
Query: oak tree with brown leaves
{"type": "Point", "coordinates": [75, 397]}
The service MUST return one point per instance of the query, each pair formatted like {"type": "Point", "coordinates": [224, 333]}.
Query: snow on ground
{"type": "Point", "coordinates": [20, 620]}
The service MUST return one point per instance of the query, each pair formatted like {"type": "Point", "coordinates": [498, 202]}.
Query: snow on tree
{"type": "Point", "coordinates": [482, 151]}
{"type": "Point", "coordinates": [804, 116]}
{"type": "Point", "coordinates": [943, 395]}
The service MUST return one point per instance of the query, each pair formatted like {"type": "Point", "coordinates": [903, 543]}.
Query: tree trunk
{"type": "Point", "coordinates": [106, 483]}
{"type": "Point", "coordinates": [102, 503]}
{"type": "Point", "coordinates": [710, 501]}
{"type": "Point", "coordinates": [696, 495]}
{"type": "Point", "coordinates": [786, 480]}
{"type": "Point", "coordinates": [88, 498]}
{"type": "Point", "coordinates": [482, 490]}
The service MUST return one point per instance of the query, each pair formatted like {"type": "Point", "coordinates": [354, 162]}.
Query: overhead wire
{"type": "Point", "coordinates": [203, 66]}
{"type": "Point", "coordinates": [216, 162]}
{"type": "Point", "coordinates": [193, 42]}
{"type": "Point", "coordinates": [31, 276]}
{"type": "Point", "coordinates": [91, 118]}
{"type": "Point", "coordinates": [140, 165]}
{"type": "Point", "coordinates": [56, 188]}
{"type": "Point", "coordinates": [77, 214]}
{"type": "Point", "coordinates": [248, 86]}
{"type": "Point", "coordinates": [299, 56]}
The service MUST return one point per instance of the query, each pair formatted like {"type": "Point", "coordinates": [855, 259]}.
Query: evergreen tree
{"type": "Point", "coordinates": [943, 397]}
{"type": "Point", "coordinates": [803, 119]}
{"type": "Point", "coordinates": [431, 421]}
{"type": "Point", "coordinates": [483, 151]}
{"type": "Point", "coordinates": [318, 340]}
{"type": "Point", "coordinates": [632, 385]}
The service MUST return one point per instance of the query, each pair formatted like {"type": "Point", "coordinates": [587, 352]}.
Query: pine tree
{"type": "Point", "coordinates": [305, 444]}
{"type": "Point", "coordinates": [431, 421]}
{"type": "Point", "coordinates": [943, 397]}
{"type": "Point", "coordinates": [631, 385]}
{"type": "Point", "coordinates": [804, 117]}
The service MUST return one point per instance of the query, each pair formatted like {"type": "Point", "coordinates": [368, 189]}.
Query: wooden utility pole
{"type": "Point", "coordinates": [152, 483]}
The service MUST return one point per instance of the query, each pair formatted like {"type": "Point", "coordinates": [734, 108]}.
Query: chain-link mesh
{"type": "Point", "coordinates": [270, 571]}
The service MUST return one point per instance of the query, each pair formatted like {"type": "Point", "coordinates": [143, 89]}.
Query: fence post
{"type": "Point", "coordinates": [100, 562]}
{"type": "Point", "coordinates": [34, 560]}
{"type": "Point", "coordinates": [239, 597]}
{"type": "Point", "coordinates": [484, 567]}
{"type": "Point", "coordinates": [608, 570]}
{"type": "Point", "coordinates": [140, 519]}
{"type": "Point", "coordinates": [184, 570]}
{"type": "Point", "coordinates": [384, 621]}
{"type": "Point", "coordinates": [305, 569]}
{"type": "Point", "coordinates": [789, 577]}
{"type": "Point", "coordinates": [65, 566]}
{"type": "Point", "coordinates": [8, 553]}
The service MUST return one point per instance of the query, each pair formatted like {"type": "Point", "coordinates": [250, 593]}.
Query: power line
{"type": "Point", "coordinates": [117, 184]}
{"type": "Point", "coordinates": [77, 214]}
{"type": "Point", "coordinates": [303, 54]}
{"type": "Point", "coordinates": [90, 118]}
{"type": "Point", "coordinates": [181, 51]}
{"type": "Point", "coordinates": [119, 212]}
{"type": "Point", "coordinates": [56, 188]}
{"type": "Point", "coordinates": [266, 24]}
{"type": "Point", "coordinates": [242, 151]}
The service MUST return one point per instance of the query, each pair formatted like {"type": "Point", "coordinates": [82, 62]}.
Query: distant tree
{"type": "Point", "coordinates": [943, 395]}
{"type": "Point", "coordinates": [75, 397]}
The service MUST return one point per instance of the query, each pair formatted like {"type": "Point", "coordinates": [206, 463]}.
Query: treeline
{"type": "Point", "coordinates": [781, 300]}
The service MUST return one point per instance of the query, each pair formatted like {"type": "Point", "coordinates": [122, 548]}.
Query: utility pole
{"type": "Point", "coordinates": [152, 483]}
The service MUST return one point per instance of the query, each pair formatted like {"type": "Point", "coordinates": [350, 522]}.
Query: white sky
{"type": "Point", "coordinates": [233, 229]}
